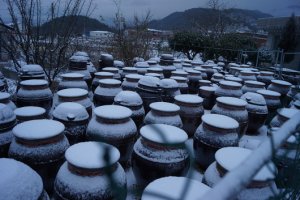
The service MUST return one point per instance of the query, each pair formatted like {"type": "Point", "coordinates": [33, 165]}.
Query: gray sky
{"type": "Point", "coordinates": [162, 8]}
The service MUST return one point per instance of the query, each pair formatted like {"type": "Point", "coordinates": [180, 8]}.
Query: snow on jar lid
{"type": "Point", "coordinates": [113, 112]}
{"type": "Point", "coordinates": [280, 82]}
{"type": "Point", "coordinates": [109, 81]}
{"type": "Point", "coordinates": [287, 113]}
{"type": "Point", "coordinates": [197, 62]}
{"type": "Point", "coordinates": [34, 82]}
{"type": "Point", "coordinates": [136, 77]}
{"type": "Point", "coordinates": [163, 134]}
{"type": "Point", "coordinates": [110, 69]}
{"type": "Point", "coordinates": [128, 98]}
{"type": "Point", "coordinates": [193, 72]}
{"type": "Point", "coordinates": [152, 62]}
{"type": "Point", "coordinates": [4, 96]}
{"type": "Point", "coordinates": [268, 93]}
{"type": "Point", "coordinates": [72, 92]}
{"type": "Point", "coordinates": [153, 74]}
{"type": "Point", "coordinates": [75, 58]}
{"type": "Point", "coordinates": [91, 155]}
{"type": "Point", "coordinates": [149, 81]}
{"type": "Point", "coordinates": [247, 72]}
{"type": "Point", "coordinates": [129, 69]}
{"type": "Point", "coordinates": [266, 73]}
{"type": "Point", "coordinates": [106, 74]}
{"type": "Point", "coordinates": [232, 78]}
{"type": "Point", "coordinates": [107, 55]}
{"type": "Point", "coordinates": [218, 75]}
{"type": "Point", "coordinates": [141, 65]}
{"type": "Point", "coordinates": [220, 121]}
{"type": "Point", "coordinates": [32, 68]}
{"type": "Point", "coordinates": [167, 56]}
{"type": "Point", "coordinates": [38, 129]}
{"type": "Point", "coordinates": [168, 83]}
{"type": "Point", "coordinates": [208, 88]}
{"type": "Point", "coordinates": [188, 65]}
{"type": "Point", "coordinates": [179, 78]}
{"type": "Point", "coordinates": [254, 83]}
{"type": "Point", "coordinates": [254, 98]}
{"type": "Point", "coordinates": [230, 84]}
{"type": "Point", "coordinates": [189, 98]}
{"type": "Point", "coordinates": [164, 107]}
{"type": "Point", "coordinates": [155, 69]}
{"type": "Point", "coordinates": [70, 111]}
{"type": "Point", "coordinates": [179, 72]}
{"type": "Point", "coordinates": [173, 187]}
{"type": "Point", "coordinates": [29, 111]}
{"type": "Point", "coordinates": [72, 75]}
{"type": "Point", "coordinates": [232, 101]}
{"type": "Point", "coordinates": [231, 157]}
{"type": "Point", "coordinates": [19, 181]}
{"type": "Point", "coordinates": [81, 53]}
{"type": "Point", "coordinates": [6, 114]}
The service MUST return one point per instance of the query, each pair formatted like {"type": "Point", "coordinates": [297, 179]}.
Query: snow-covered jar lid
{"type": "Point", "coordinates": [133, 77]}
{"type": "Point", "coordinates": [163, 134]}
{"type": "Point", "coordinates": [153, 74]}
{"type": "Point", "coordinates": [220, 121]}
{"type": "Point", "coordinates": [230, 84]}
{"type": "Point", "coordinates": [119, 64]}
{"type": "Point", "coordinates": [179, 79]}
{"type": "Point", "coordinates": [34, 83]}
{"type": "Point", "coordinates": [255, 84]}
{"type": "Point", "coordinates": [77, 58]}
{"type": "Point", "coordinates": [141, 65]}
{"type": "Point", "coordinates": [208, 88]}
{"type": "Point", "coordinates": [92, 155]}
{"type": "Point", "coordinates": [192, 72]}
{"type": "Point", "coordinates": [70, 111]}
{"type": "Point", "coordinates": [109, 82]}
{"type": "Point", "coordinates": [149, 81]}
{"type": "Point", "coordinates": [155, 70]}
{"type": "Point", "coordinates": [39, 129]}
{"type": "Point", "coordinates": [189, 99]}
{"type": "Point", "coordinates": [168, 83]}
{"type": "Point", "coordinates": [81, 53]}
{"type": "Point", "coordinates": [113, 70]}
{"type": "Point", "coordinates": [112, 112]}
{"type": "Point", "coordinates": [102, 75]}
{"type": "Point", "coordinates": [232, 101]}
{"type": "Point", "coordinates": [287, 113]}
{"type": "Point", "coordinates": [173, 187]}
{"type": "Point", "coordinates": [164, 107]}
{"type": "Point", "coordinates": [187, 65]}
{"type": "Point", "coordinates": [247, 72]}
{"type": "Point", "coordinates": [32, 69]}
{"type": "Point", "coordinates": [197, 62]}
{"type": "Point", "coordinates": [281, 83]}
{"type": "Point", "coordinates": [7, 115]}
{"type": "Point", "coordinates": [128, 98]}
{"type": "Point", "coordinates": [218, 76]}
{"type": "Point", "coordinates": [254, 99]}
{"type": "Point", "coordinates": [72, 93]}
{"type": "Point", "coordinates": [152, 62]}
{"type": "Point", "coordinates": [4, 96]}
{"type": "Point", "coordinates": [269, 94]}
{"type": "Point", "coordinates": [167, 56]}
{"type": "Point", "coordinates": [72, 76]}
{"type": "Point", "coordinates": [131, 70]}
{"type": "Point", "coordinates": [29, 112]}
{"type": "Point", "coordinates": [19, 181]}
{"type": "Point", "coordinates": [266, 73]}
{"type": "Point", "coordinates": [228, 158]}
{"type": "Point", "coordinates": [179, 73]}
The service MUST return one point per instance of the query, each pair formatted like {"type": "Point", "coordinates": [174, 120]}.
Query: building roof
{"type": "Point", "coordinates": [276, 24]}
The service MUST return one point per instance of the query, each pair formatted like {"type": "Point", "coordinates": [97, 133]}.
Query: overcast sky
{"type": "Point", "coordinates": [162, 8]}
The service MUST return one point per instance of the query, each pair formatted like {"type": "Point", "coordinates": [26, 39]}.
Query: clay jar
{"type": "Point", "coordinates": [75, 118]}
{"type": "Point", "coordinates": [5, 98]}
{"type": "Point", "coordinates": [191, 111]}
{"type": "Point", "coordinates": [216, 78]}
{"type": "Point", "coordinates": [262, 183]}
{"type": "Point", "coordinates": [99, 76]}
{"type": "Point", "coordinates": [40, 144]}
{"type": "Point", "coordinates": [180, 73]}
{"type": "Point", "coordinates": [283, 114]}
{"type": "Point", "coordinates": [28, 113]}
{"type": "Point", "coordinates": [19, 181]}
{"type": "Point", "coordinates": [141, 67]}
{"type": "Point", "coordinates": [204, 83]}
{"type": "Point", "coordinates": [229, 89]}
{"type": "Point", "coordinates": [128, 70]}
{"type": "Point", "coordinates": [106, 91]}
{"type": "Point", "coordinates": [72, 80]}
{"type": "Point", "coordinates": [159, 152]}
{"type": "Point", "coordinates": [34, 93]}
{"type": "Point", "coordinates": [131, 82]}
{"type": "Point", "coordinates": [106, 60]}
{"type": "Point", "coordinates": [272, 100]}
{"type": "Point", "coordinates": [86, 177]}
{"type": "Point", "coordinates": [234, 79]}
{"type": "Point", "coordinates": [282, 87]}
{"type": "Point", "coordinates": [209, 70]}
{"type": "Point", "coordinates": [75, 95]}
{"type": "Point", "coordinates": [247, 75]}
{"type": "Point", "coordinates": [208, 95]}
{"type": "Point", "coordinates": [166, 188]}
{"type": "Point", "coordinates": [170, 89]}
{"type": "Point", "coordinates": [265, 77]}
{"type": "Point", "coordinates": [7, 122]}
{"type": "Point", "coordinates": [156, 70]}
{"type": "Point", "coordinates": [112, 124]}
{"type": "Point", "coordinates": [78, 64]}
{"type": "Point", "coordinates": [31, 71]}
{"type": "Point", "coordinates": [182, 84]}
{"type": "Point", "coordinates": [234, 108]}
{"type": "Point", "coordinates": [215, 132]}
{"type": "Point", "coordinates": [113, 70]}
{"type": "Point", "coordinates": [194, 77]}
{"type": "Point", "coordinates": [164, 113]}
{"type": "Point", "coordinates": [149, 90]}
{"type": "Point", "coordinates": [134, 102]}
{"type": "Point", "coordinates": [257, 112]}
{"type": "Point", "coordinates": [252, 86]}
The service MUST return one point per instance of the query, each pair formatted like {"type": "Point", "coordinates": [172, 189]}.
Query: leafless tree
{"type": "Point", "coordinates": [28, 40]}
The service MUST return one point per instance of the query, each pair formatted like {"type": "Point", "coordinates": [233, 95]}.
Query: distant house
{"type": "Point", "coordinates": [101, 34]}
{"type": "Point", "coordinates": [275, 27]}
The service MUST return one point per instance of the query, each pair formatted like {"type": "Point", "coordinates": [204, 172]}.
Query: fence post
{"type": "Point", "coordinates": [257, 58]}
{"type": "Point", "coordinates": [281, 64]}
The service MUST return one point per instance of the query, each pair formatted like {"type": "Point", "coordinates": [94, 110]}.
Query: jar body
{"type": "Point", "coordinates": [148, 95]}
{"type": "Point", "coordinates": [150, 163]}
{"type": "Point", "coordinates": [41, 97]}
{"type": "Point", "coordinates": [45, 159]}
{"type": "Point", "coordinates": [158, 117]}
{"type": "Point", "coordinates": [129, 85]}
{"type": "Point", "coordinates": [265, 79]}
{"type": "Point", "coordinates": [169, 94]}
{"type": "Point", "coordinates": [66, 84]}
{"type": "Point", "coordinates": [9, 103]}
{"type": "Point", "coordinates": [209, 98]}
{"type": "Point", "coordinates": [183, 87]}
{"type": "Point", "coordinates": [87, 76]}
{"type": "Point", "coordinates": [246, 88]}
{"type": "Point", "coordinates": [119, 133]}
{"type": "Point", "coordinates": [282, 89]}
{"type": "Point", "coordinates": [228, 92]}
{"type": "Point", "coordinates": [167, 70]}
{"type": "Point", "coordinates": [69, 185]}
{"type": "Point", "coordinates": [247, 77]}
{"type": "Point", "coordinates": [6, 137]}
{"type": "Point", "coordinates": [206, 143]}
{"type": "Point", "coordinates": [105, 95]}
{"type": "Point", "coordinates": [84, 101]}
{"type": "Point", "coordinates": [194, 84]}
{"type": "Point", "coordinates": [257, 116]}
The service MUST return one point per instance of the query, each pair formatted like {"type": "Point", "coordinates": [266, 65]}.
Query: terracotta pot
{"type": "Point", "coordinates": [113, 70]}
{"type": "Point", "coordinates": [253, 86]}
{"type": "Point", "coordinates": [182, 84]}
{"type": "Point", "coordinates": [5, 98]}
{"type": "Point", "coordinates": [127, 71]}
{"type": "Point", "coordinates": [170, 89]}
{"type": "Point", "coordinates": [31, 71]}
{"type": "Point", "coordinates": [72, 80]}
{"type": "Point", "coordinates": [28, 113]}
{"type": "Point", "coordinates": [208, 95]}
{"type": "Point", "coordinates": [247, 75]}
{"type": "Point", "coordinates": [78, 64]}
{"type": "Point", "coordinates": [131, 82]}
{"type": "Point", "coordinates": [265, 77]}
{"type": "Point", "coordinates": [194, 77]}
{"type": "Point", "coordinates": [229, 89]}
{"type": "Point", "coordinates": [283, 114]}
{"type": "Point", "coordinates": [106, 60]}
{"type": "Point", "coordinates": [99, 76]}
{"type": "Point", "coordinates": [106, 91]}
